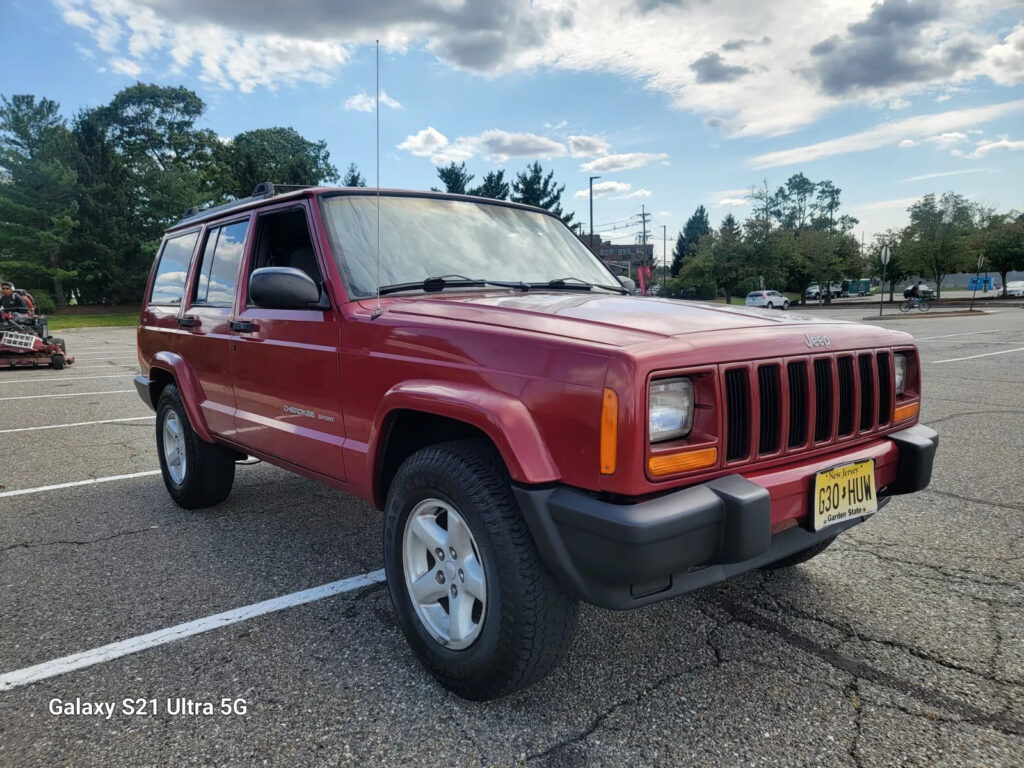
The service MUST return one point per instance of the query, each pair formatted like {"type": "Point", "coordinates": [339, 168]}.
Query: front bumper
{"type": "Point", "coordinates": [624, 556]}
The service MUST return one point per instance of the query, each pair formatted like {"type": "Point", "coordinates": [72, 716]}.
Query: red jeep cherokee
{"type": "Point", "coordinates": [534, 435]}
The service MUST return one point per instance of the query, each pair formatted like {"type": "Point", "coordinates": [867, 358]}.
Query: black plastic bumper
{"type": "Point", "coordinates": [624, 556]}
{"type": "Point", "coordinates": [142, 387]}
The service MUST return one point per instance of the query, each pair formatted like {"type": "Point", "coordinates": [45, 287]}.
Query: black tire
{"type": "Point", "coordinates": [785, 306]}
{"type": "Point", "coordinates": [905, 306]}
{"type": "Point", "coordinates": [57, 362]}
{"type": "Point", "coordinates": [924, 306]}
{"type": "Point", "coordinates": [770, 305]}
{"type": "Point", "coordinates": [800, 557]}
{"type": "Point", "coordinates": [528, 623]}
{"type": "Point", "coordinates": [209, 469]}
{"type": "Point", "coordinates": [59, 342]}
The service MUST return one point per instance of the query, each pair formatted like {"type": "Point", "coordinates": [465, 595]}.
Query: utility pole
{"type": "Point", "coordinates": [592, 212]}
{"type": "Point", "coordinates": [664, 258]}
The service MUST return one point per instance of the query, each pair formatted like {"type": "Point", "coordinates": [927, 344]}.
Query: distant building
{"type": "Point", "coordinates": [618, 252]}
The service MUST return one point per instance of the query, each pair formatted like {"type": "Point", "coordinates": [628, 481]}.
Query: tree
{"type": "Point", "coordinates": [455, 178]}
{"type": "Point", "coordinates": [1003, 243]}
{"type": "Point", "coordinates": [532, 187]}
{"type": "Point", "coordinates": [695, 228]}
{"type": "Point", "coordinates": [896, 270]}
{"type": "Point", "coordinates": [353, 178]}
{"type": "Point", "coordinates": [793, 204]}
{"type": "Point", "coordinates": [938, 235]}
{"type": "Point", "coordinates": [493, 186]}
{"type": "Point", "coordinates": [104, 250]}
{"type": "Point", "coordinates": [38, 211]}
{"type": "Point", "coordinates": [280, 155]}
{"type": "Point", "coordinates": [731, 257]}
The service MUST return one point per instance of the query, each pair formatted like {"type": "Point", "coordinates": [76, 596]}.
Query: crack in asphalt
{"type": "Point", "coordinates": [853, 694]}
{"type": "Point", "coordinates": [859, 669]}
{"type": "Point", "coordinates": [932, 422]}
{"type": "Point", "coordinates": [599, 719]}
{"type": "Point", "coordinates": [973, 500]}
{"type": "Point", "coordinates": [74, 542]}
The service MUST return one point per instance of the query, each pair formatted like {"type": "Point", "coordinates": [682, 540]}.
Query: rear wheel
{"type": "Point", "coordinates": [196, 473]}
{"type": "Point", "coordinates": [478, 607]}
{"type": "Point", "coordinates": [785, 305]}
{"type": "Point", "coordinates": [905, 306]}
{"type": "Point", "coordinates": [770, 305]}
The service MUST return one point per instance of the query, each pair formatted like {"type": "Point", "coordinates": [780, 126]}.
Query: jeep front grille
{"type": "Point", "coordinates": [771, 408]}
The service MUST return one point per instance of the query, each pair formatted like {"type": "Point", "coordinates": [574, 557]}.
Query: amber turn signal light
{"type": "Point", "coordinates": [609, 432]}
{"type": "Point", "coordinates": [904, 412]}
{"type": "Point", "coordinates": [684, 461]}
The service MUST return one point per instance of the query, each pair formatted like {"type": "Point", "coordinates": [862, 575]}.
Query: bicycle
{"type": "Point", "coordinates": [921, 304]}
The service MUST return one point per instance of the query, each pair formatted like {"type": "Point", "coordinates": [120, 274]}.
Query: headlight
{"type": "Point", "coordinates": [901, 372]}
{"type": "Point", "coordinates": [671, 413]}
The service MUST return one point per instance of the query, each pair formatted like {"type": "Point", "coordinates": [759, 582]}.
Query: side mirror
{"type": "Point", "coordinates": [285, 288]}
{"type": "Point", "coordinates": [627, 283]}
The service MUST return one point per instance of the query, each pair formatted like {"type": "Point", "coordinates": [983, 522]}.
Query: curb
{"type": "Point", "coordinates": [925, 315]}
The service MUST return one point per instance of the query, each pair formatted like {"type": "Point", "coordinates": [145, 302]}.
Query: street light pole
{"type": "Point", "coordinates": [664, 258]}
{"type": "Point", "coordinates": [592, 211]}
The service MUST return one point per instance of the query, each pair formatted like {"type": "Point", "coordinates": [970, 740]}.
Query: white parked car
{"type": "Point", "coordinates": [769, 299]}
{"type": "Point", "coordinates": [835, 290]}
{"type": "Point", "coordinates": [1015, 288]}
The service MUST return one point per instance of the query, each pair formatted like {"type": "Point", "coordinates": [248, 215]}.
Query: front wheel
{"type": "Point", "coordinates": [476, 604]}
{"type": "Point", "coordinates": [923, 305]}
{"type": "Point", "coordinates": [196, 473]}
{"type": "Point", "coordinates": [785, 306]}
{"type": "Point", "coordinates": [905, 306]}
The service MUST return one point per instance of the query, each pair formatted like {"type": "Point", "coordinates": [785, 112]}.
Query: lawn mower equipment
{"type": "Point", "coordinates": [25, 341]}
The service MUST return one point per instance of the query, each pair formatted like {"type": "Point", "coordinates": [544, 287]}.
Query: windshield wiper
{"type": "Point", "coordinates": [434, 284]}
{"type": "Point", "coordinates": [574, 284]}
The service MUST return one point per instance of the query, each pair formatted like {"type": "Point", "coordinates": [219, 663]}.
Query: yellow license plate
{"type": "Point", "coordinates": [844, 492]}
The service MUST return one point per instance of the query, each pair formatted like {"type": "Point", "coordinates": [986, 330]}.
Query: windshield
{"type": "Point", "coordinates": [424, 237]}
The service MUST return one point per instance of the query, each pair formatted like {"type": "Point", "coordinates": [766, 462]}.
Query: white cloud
{"type": "Point", "coordinates": [494, 145]}
{"type": "Point", "coordinates": [622, 162]}
{"type": "Point", "coordinates": [631, 195]}
{"type": "Point", "coordinates": [888, 134]}
{"type": "Point", "coordinates": [425, 143]}
{"type": "Point", "coordinates": [603, 187]}
{"type": "Point", "coordinates": [732, 202]}
{"type": "Point", "coordinates": [812, 57]}
{"type": "Point", "coordinates": [942, 174]}
{"type": "Point", "coordinates": [363, 102]}
{"type": "Point", "coordinates": [947, 139]}
{"type": "Point", "coordinates": [984, 147]}
{"type": "Point", "coordinates": [907, 143]}
{"type": "Point", "coordinates": [587, 146]}
{"type": "Point", "coordinates": [125, 67]}
{"type": "Point", "coordinates": [898, 103]}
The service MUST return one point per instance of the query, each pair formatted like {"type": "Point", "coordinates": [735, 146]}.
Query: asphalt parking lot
{"type": "Point", "coordinates": [903, 644]}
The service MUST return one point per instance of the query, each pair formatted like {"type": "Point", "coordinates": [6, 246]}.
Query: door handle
{"type": "Point", "coordinates": [242, 326]}
{"type": "Point", "coordinates": [188, 322]}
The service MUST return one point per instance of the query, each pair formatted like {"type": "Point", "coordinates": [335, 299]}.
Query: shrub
{"type": "Point", "coordinates": [45, 305]}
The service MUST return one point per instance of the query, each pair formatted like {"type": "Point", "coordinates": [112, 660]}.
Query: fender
{"type": "Point", "coordinates": [188, 384]}
{"type": "Point", "coordinates": [503, 418]}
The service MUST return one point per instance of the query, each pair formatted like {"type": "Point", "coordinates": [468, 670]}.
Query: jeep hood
{"type": "Point", "coordinates": [602, 318]}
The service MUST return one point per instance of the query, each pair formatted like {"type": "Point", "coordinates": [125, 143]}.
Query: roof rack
{"type": "Point", "coordinates": [262, 191]}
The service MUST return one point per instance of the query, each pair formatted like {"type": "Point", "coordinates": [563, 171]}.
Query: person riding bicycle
{"type": "Point", "coordinates": [915, 291]}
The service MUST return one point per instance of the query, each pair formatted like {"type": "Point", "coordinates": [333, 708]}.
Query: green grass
{"type": "Point", "coordinates": [60, 322]}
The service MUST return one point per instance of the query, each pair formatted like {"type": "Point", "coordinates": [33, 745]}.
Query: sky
{"type": "Point", "coordinates": [672, 103]}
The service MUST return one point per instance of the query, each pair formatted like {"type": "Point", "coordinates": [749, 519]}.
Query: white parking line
{"type": "Point", "coordinates": [972, 357]}
{"type": "Point", "coordinates": [67, 378]}
{"type": "Point", "coordinates": [68, 394]}
{"type": "Point", "coordinates": [84, 659]}
{"type": "Point", "coordinates": [947, 335]}
{"type": "Point", "coordinates": [76, 424]}
{"type": "Point", "coordinates": [77, 483]}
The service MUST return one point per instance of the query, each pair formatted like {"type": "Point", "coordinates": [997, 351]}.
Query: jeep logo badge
{"type": "Point", "coordinates": [818, 341]}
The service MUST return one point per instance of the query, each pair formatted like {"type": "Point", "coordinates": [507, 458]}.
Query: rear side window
{"type": "Point", "coordinates": [169, 282]}
{"type": "Point", "coordinates": [218, 271]}
{"type": "Point", "coordinates": [754, 295]}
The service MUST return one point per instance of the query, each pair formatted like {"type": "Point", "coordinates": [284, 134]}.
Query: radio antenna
{"type": "Point", "coordinates": [377, 312]}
